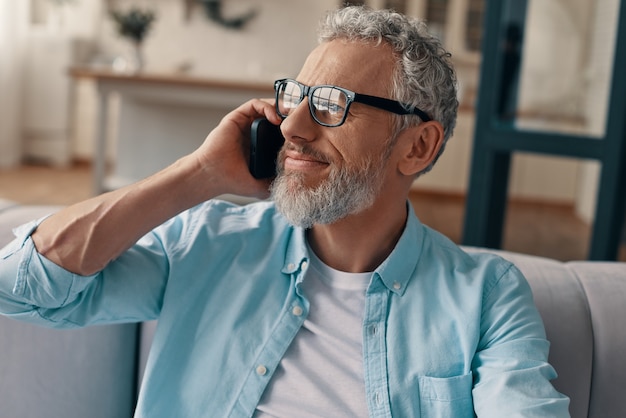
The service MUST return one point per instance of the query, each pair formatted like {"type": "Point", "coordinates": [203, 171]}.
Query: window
{"type": "Point", "coordinates": [474, 24]}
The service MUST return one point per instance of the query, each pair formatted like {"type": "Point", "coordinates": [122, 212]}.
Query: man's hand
{"type": "Point", "coordinates": [225, 152]}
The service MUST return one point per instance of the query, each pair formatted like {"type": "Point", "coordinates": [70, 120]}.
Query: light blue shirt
{"type": "Point", "coordinates": [445, 334]}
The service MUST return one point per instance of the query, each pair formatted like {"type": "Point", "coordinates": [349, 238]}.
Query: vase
{"type": "Point", "coordinates": [138, 62]}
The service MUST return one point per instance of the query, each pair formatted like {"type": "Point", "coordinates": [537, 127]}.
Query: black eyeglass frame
{"type": "Point", "coordinates": [389, 105]}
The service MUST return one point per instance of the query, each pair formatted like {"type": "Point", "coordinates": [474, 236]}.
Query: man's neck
{"type": "Point", "coordinates": [360, 243]}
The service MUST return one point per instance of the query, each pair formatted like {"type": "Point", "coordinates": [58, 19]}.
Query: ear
{"type": "Point", "coordinates": [420, 146]}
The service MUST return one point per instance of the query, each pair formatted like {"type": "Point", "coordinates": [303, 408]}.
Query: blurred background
{"type": "Point", "coordinates": [98, 93]}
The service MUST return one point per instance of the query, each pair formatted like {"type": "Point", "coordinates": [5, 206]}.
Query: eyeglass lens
{"type": "Point", "coordinates": [326, 103]}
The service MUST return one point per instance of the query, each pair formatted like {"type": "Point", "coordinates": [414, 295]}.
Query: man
{"type": "Point", "coordinates": [332, 300]}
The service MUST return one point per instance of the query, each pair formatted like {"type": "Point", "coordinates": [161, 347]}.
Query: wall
{"type": "Point", "coordinates": [49, 38]}
{"type": "Point", "coordinates": [11, 41]}
{"type": "Point", "coordinates": [273, 44]}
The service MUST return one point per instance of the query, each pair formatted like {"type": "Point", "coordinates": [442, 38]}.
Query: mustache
{"type": "Point", "coordinates": [304, 150]}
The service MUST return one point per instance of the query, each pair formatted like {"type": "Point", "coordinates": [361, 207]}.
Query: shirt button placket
{"type": "Point", "coordinates": [375, 353]}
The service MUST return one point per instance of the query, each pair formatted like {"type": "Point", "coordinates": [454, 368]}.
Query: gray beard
{"type": "Point", "coordinates": [343, 193]}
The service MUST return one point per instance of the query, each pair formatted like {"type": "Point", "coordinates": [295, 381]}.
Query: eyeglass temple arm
{"type": "Point", "coordinates": [390, 105]}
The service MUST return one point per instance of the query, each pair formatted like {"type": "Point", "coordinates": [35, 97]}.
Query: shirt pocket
{"type": "Point", "coordinates": [443, 397]}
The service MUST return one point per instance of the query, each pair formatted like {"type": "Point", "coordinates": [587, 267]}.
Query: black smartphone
{"type": "Point", "coordinates": [265, 143]}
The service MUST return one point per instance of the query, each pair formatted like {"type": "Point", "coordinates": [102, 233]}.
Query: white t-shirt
{"type": "Point", "coordinates": [321, 374]}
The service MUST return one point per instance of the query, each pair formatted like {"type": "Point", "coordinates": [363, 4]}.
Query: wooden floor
{"type": "Point", "coordinates": [540, 229]}
{"type": "Point", "coordinates": [40, 184]}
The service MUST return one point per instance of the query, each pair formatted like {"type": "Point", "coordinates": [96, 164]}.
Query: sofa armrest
{"type": "Point", "coordinates": [604, 284]}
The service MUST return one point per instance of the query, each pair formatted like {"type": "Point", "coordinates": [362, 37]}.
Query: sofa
{"type": "Point", "coordinates": [95, 372]}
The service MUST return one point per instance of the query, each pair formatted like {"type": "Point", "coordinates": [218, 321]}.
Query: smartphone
{"type": "Point", "coordinates": [266, 141]}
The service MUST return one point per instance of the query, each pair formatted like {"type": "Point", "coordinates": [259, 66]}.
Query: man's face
{"type": "Point", "coordinates": [327, 173]}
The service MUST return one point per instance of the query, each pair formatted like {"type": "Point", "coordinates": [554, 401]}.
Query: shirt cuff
{"type": "Point", "coordinates": [22, 233]}
{"type": "Point", "coordinates": [39, 281]}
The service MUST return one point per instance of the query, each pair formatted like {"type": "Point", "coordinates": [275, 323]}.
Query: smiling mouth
{"type": "Point", "coordinates": [303, 157]}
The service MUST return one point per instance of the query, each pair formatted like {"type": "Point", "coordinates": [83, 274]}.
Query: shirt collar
{"type": "Point", "coordinates": [297, 253]}
{"type": "Point", "coordinates": [395, 272]}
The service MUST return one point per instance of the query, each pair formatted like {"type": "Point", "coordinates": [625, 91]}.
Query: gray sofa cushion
{"type": "Point", "coordinates": [605, 287]}
{"type": "Point", "coordinates": [78, 373]}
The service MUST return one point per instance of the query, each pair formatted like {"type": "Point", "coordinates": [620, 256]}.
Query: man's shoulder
{"type": "Point", "coordinates": [233, 207]}
{"type": "Point", "coordinates": [465, 262]}
{"type": "Point", "coordinates": [217, 212]}
{"type": "Point", "coordinates": [220, 217]}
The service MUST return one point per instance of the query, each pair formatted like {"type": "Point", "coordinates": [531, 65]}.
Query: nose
{"type": "Point", "coordinates": [299, 125]}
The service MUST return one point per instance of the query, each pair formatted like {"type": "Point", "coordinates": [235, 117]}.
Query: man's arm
{"type": "Point", "coordinates": [83, 238]}
{"type": "Point", "coordinates": [511, 370]}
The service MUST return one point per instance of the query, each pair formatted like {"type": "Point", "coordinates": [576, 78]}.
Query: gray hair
{"type": "Point", "coordinates": [424, 75]}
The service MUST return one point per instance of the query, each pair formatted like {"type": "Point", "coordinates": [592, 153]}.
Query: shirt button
{"type": "Point", "coordinates": [291, 266]}
{"type": "Point", "coordinates": [379, 399]}
{"type": "Point", "coordinates": [297, 311]}
{"type": "Point", "coordinates": [304, 264]}
{"type": "Point", "coordinates": [261, 370]}
{"type": "Point", "coordinates": [397, 285]}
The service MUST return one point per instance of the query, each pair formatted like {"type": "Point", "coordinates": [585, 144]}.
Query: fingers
{"type": "Point", "coordinates": [256, 108]}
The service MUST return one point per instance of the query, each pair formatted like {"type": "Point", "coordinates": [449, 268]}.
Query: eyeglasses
{"type": "Point", "coordinates": [329, 104]}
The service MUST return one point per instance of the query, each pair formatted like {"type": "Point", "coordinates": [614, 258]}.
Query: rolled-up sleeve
{"type": "Point", "coordinates": [34, 289]}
